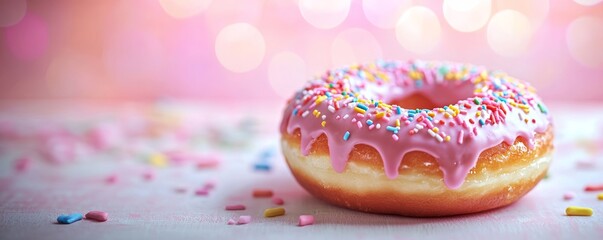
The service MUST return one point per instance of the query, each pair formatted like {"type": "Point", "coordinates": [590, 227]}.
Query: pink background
{"type": "Point", "coordinates": [263, 49]}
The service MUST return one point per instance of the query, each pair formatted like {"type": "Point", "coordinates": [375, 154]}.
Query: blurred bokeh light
{"type": "Point", "coordinates": [265, 49]}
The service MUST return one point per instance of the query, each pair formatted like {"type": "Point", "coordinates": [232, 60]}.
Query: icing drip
{"type": "Point", "coordinates": [350, 106]}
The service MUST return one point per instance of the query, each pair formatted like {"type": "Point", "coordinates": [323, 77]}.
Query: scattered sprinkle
{"type": "Point", "coordinates": [98, 216]}
{"type": "Point", "coordinates": [578, 211]}
{"type": "Point", "coordinates": [305, 220]}
{"type": "Point", "coordinates": [569, 196]}
{"type": "Point", "coordinates": [262, 193]}
{"type": "Point", "coordinates": [236, 207]}
{"type": "Point", "coordinates": [274, 212]}
{"type": "Point", "coordinates": [245, 219]}
{"type": "Point", "coordinates": [69, 219]}
{"type": "Point", "coordinates": [593, 187]}
{"type": "Point", "coordinates": [278, 201]}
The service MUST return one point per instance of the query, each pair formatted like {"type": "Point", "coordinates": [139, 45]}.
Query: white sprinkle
{"type": "Point", "coordinates": [331, 109]}
{"type": "Point", "coordinates": [431, 132]}
{"type": "Point", "coordinates": [305, 113]}
{"type": "Point", "coordinates": [346, 116]}
{"type": "Point", "coordinates": [419, 126]}
{"type": "Point", "coordinates": [378, 126]}
{"type": "Point", "coordinates": [324, 117]}
{"type": "Point", "coordinates": [338, 117]}
{"type": "Point", "coordinates": [439, 138]}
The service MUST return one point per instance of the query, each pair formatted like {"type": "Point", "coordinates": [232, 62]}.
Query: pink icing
{"type": "Point", "coordinates": [508, 108]}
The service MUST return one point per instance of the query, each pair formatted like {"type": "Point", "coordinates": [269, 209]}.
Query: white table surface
{"type": "Point", "coordinates": [31, 200]}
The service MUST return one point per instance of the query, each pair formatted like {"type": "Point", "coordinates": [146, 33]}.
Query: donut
{"type": "Point", "coordinates": [417, 138]}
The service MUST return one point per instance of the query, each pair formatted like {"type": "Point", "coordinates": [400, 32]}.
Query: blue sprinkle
{"type": "Point", "coordinates": [398, 110]}
{"type": "Point", "coordinates": [262, 166]}
{"type": "Point", "coordinates": [369, 122]}
{"type": "Point", "coordinates": [362, 106]}
{"type": "Point", "coordinates": [69, 219]}
{"type": "Point", "coordinates": [346, 136]}
{"type": "Point", "coordinates": [418, 84]}
{"type": "Point", "coordinates": [481, 122]}
{"type": "Point", "coordinates": [430, 118]}
{"type": "Point", "coordinates": [376, 104]}
{"type": "Point", "coordinates": [411, 115]}
{"type": "Point", "coordinates": [392, 129]}
{"type": "Point", "coordinates": [501, 99]}
{"type": "Point", "coordinates": [295, 111]}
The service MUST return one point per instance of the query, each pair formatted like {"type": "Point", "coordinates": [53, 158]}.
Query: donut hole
{"type": "Point", "coordinates": [434, 96]}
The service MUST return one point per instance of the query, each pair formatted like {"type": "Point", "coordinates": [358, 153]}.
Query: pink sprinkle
{"type": "Point", "coordinates": [180, 189]}
{"type": "Point", "coordinates": [371, 127]}
{"type": "Point", "coordinates": [202, 192]}
{"type": "Point", "coordinates": [244, 220]}
{"type": "Point", "coordinates": [593, 187]}
{"type": "Point", "coordinates": [359, 124]}
{"type": "Point", "coordinates": [461, 136]}
{"type": "Point", "coordinates": [99, 216]}
{"type": "Point", "coordinates": [231, 222]}
{"type": "Point", "coordinates": [236, 207]}
{"type": "Point", "coordinates": [22, 164]}
{"type": "Point", "coordinates": [148, 175]}
{"type": "Point", "coordinates": [306, 220]}
{"type": "Point", "coordinates": [354, 120]}
{"type": "Point", "coordinates": [210, 184]}
{"type": "Point", "coordinates": [111, 179]}
{"type": "Point", "coordinates": [338, 117]}
{"type": "Point", "coordinates": [278, 201]}
{"type": "Point", "coordinates": [208, 162]}
{"type": "Point", "coordinates": [395, 137]}
{"type": "Point", "coordinates": [569, 196]}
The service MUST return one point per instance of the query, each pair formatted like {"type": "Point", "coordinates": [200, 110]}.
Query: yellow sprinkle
{"type": "Point", "coordinates": [477, 114]}
{"type": "Point", "coordinates": [447, 138]}
{"type": "Point", "coordinates": [158, 160]}
{"type": "Point", "coordinates": [484, 74]}
{"type": "Point", "coordinates": [380, 115]}
{"type": "Point", "coordinates": [447, 115]}
{"type": "Point", "coordinates": [397, 122]}
{"type": "Point", "coordinates": [441, 110]}
{"type": "Point", "coordinates": [431, 114]}
{"type": "Point", "coordinates": [360, 110]}
{"type": "Point", "coordinates": [578, 211]}
{"type": "Point", "coordinates": [320, 99]}
{"type": "Point", "coordinates": [454, 108]}
{"type": "Point", "coordinates": [274, 212]}
{"type": "Point", "coordinates": [323, 123]}
{"type": "Point", "coordinates": [435, 129]}
{"type": "Point", "coordinates": [449, 76]}
{"type": "Point", "coordinates": [600, 196]}
{"type": "Point", "coordinates": [458, 75]}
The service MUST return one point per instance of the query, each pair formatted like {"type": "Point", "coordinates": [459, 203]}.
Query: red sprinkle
{"type": "Point", "coordinates": [593, 187]}
{"type": "Point", "coordinates": [262, 193]}
{"type": "Point", "coordinates": [278, 201]}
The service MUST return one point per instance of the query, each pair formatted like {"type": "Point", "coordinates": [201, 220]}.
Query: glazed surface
{"type": "Point", "coordinates": [355, 106]}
